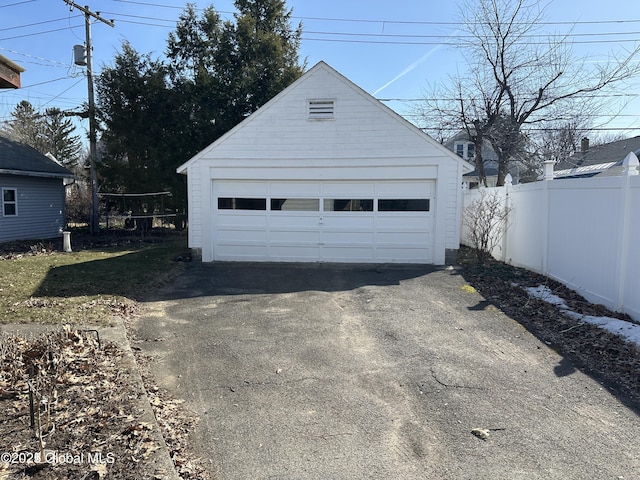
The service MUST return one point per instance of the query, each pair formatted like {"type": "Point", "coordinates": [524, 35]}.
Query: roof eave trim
{"type": "Point", "coordinates": [26, 173]}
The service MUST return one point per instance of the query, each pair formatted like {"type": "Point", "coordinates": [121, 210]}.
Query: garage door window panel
{"type": "Point", "coordinates": [403, 205]}
{"type": "Point", "coordinates": [238, 203]}
{"type": "Point", "coordinates": [295, 204]}
{"type": "Point", "coordinates": [348, 205]}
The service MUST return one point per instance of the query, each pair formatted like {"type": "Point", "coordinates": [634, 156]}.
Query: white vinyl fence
{"type": "Point", "coordinates": [582, 232]}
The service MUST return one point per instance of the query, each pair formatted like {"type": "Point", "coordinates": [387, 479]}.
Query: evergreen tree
{"type": "Point", "coordinates": [267, 50]}
{"type": "Point", "coordinates": [156, 115]}
{"type": "Point", "coordinates": [137, 108]}
{"type": "Point", "coordinates": [59, 139]}
{"type": "Point", "coordinates": [27, 126]}
{"type": "Point", "coordinates": [49, 133]}
{"type": "Point", "coordinates": [228, 70]}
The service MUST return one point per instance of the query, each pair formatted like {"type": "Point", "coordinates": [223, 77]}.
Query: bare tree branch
{"type": "Point", "coordinates": [519, 83]}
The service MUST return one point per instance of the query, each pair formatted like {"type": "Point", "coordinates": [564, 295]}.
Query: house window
{"type": "Point", "coordinates": [471, 151]}
{"type": "Point", "coordinates": [404, 205]}
{"type": "Point", "coordinates": [242, 203]}
{"type": "Point", "coordinates": [466, 150]}
{"type": "Point", "coordinates": [9, 202]}
{"type": "Point", "coordinates": [321, 109]}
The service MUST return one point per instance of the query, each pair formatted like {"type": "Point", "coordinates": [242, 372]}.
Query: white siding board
{"type": "Point", "coordinates": [194, 207]}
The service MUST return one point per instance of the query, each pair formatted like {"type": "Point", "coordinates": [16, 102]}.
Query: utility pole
{"type": "Point", "coordinates": [94, 223]}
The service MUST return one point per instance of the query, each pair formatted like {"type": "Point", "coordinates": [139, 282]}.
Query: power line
{"type": "Point", "coordinates": [463, 37]}
{"type": "Point", "coordinates": [426, 99]}
{"type": "Point", "coordinates": [64, 91]}
{"type": "Point", "coordinates": [16, 3]}
{"type": "Point", "coordinates": [401, 22]}
{"type": "Point", "coordinates": [150, 4]}
{"type": "Point", "coordinates": [386, 42]}
{"type": "Point", "coordinates": [39, 33]}
{"type": "Point", "coordinates": [144, 17]}
{"type": "Point", "coordinates": [32, 24]}
{"type": "Point", "coordinates": [55, 62]}
{"type": "Point", "coordinates": [45, 82]}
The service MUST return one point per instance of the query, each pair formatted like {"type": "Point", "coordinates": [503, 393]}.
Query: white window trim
{"type": "Point", "coordinates": [14, 203]}
{"type": "Point", "coordinates": [465, 149]}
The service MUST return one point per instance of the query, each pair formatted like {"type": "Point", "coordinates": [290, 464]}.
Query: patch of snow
{"type": "Point", "coordinates": [629, 331]}
{"type": "Point", "coordinates": [543, 293]}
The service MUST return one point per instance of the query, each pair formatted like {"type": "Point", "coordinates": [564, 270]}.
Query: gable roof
{"type": "Point", "coordinates": [597, 159]}
{"type": "Point", "coordinates": [20, 159]}
{"type": "Point", "coordinates": [323, 68]}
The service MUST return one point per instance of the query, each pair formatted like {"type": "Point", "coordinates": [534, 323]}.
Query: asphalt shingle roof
{"type": "Point", "coordinates": [613, 152]}
{"type": "Point", "coordinates": [17, 157]}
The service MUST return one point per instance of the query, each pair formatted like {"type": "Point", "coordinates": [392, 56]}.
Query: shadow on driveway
{"type": "Point", "coordinates": [227, 278]}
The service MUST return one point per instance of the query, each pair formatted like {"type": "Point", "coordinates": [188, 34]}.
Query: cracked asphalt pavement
{"type": "Point", "coordinates": [351, 372]}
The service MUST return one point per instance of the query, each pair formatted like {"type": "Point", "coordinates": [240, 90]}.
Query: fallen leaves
{"type": "Point", "coordinates": [176, 423]}
{"type": "Point", "coordinates": [85, 407]}
{"type": "Point", "coordinates": [481, 433]}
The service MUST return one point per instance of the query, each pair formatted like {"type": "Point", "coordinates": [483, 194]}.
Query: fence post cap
{"type": "Point", "coordinates": [548, 169]}
{"type": "Point", "coordinates": [630, 164]}
{"type": "Point", "coordinates": [508, 180]}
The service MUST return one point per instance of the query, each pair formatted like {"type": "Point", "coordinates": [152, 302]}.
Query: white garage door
{"type": "Point", "coordinates": [360, 222]}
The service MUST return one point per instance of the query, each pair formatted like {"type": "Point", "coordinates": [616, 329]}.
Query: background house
{"type": "Point", "coordinates": [462, 146]}
{"type": "Point", "coordinates": [32, 193]}
{"type": "Point", "coordinates": [324, 172]}
{"type": "Point", "coordinates": [605, 159]}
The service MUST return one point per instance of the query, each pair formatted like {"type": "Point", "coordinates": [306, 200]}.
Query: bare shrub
{"type": "Point", "coordinates": [78, 203]}
{"type": "Point", "coordinates": [487, 219]}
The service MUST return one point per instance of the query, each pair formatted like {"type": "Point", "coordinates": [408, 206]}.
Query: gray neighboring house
{"type": "Point", "coordinates": [461, 145]}
{"type": "Point", "coordinates": [601, 160]}
{"type": "Point", "coordinates": [32, 193]}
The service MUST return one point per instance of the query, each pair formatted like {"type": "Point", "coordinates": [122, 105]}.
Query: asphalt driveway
{"type": "Point", "coordinates": [332, 372]}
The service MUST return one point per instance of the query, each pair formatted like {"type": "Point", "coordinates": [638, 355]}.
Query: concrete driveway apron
{"type": "Point", "coordinates": [351, 372]}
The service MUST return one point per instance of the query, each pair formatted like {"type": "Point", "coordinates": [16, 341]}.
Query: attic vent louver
{"type": "Point", "coordinates": [321, 109]}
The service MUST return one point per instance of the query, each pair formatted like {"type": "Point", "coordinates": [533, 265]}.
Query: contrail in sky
{"type": "Point", "coordinates": [412, 66]}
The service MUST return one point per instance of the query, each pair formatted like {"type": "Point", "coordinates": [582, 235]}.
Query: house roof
{"type": "Point", "coordinates": [20, 159]}
{"type": "Point", "coordinates": [316, 69]}
{"type": "Point", "coordinates": [597, 159]}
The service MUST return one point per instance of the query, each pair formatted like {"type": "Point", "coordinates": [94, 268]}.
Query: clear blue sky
{"type": "Point", "coordinates": [392, 49]}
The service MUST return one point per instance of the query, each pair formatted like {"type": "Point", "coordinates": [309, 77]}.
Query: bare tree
{"type": "Point", "coordinates": [519, 78]}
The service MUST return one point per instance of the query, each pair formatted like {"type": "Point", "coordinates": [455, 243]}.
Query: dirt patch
{"type": "Point", "coordinates": [603, 355]}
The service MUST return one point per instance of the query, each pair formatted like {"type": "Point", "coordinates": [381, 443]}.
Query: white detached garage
{"type": "Point", "coordinates": [324, 172]}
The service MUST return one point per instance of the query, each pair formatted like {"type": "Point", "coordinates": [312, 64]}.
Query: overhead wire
{"type": "Point", "coordinates": [16, 3]}
{"type": "Point", "coordinates": [400, 22]}
{"type": "Point", "coordinates": [365, 37]}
